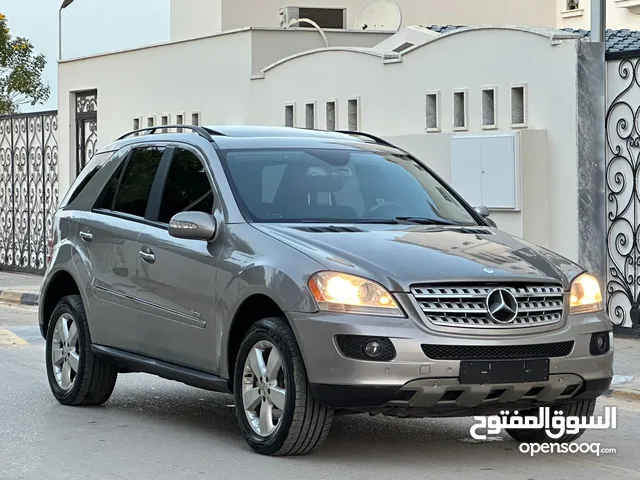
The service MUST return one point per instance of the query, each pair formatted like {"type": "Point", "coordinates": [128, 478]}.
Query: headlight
{"type": "Point", "coordinates": [585, 295]}
{"type": "Point", "coordinates": [341, 292]}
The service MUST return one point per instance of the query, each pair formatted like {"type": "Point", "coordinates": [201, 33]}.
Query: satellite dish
{"type": "Point", "coordinates": [379, 15]}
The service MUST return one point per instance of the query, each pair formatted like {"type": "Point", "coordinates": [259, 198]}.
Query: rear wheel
{"type": "Point", "coordinates": [274, 404]}
{"type": "Point", "coordinates": [76, 376]}
{"type": "Point", "coordinates": [584, 408]}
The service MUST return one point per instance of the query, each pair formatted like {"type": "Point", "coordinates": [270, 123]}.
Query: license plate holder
{"type": "Point", "coordinates": [481, 372]}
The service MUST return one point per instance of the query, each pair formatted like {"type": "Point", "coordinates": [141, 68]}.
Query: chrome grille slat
{"type": "Point", "coordinates": [464, 305]}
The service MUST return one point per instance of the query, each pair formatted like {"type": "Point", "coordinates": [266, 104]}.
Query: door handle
{"type": "Point", "coordinates": [86, 235]}
{"type": "Point", "coordinates": [147, 255]}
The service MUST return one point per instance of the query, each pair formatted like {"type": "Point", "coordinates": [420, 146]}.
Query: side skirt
{"type": "Point", "coordinates": [132, 362]}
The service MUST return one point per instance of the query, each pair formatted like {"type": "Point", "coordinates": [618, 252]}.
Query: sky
{"type": "Point", "coordinates": [88, 27]}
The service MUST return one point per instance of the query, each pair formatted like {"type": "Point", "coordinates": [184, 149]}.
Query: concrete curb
{"type": "Point", "coordinates": [19, 298]}
{"type": "Point", "coordinates": [625, 394]}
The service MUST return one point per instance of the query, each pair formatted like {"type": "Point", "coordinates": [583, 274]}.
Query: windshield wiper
{"type": "Point", "coordinates": [385, 221]}
{"type": "Point", "coordinates": [390, 221]}
{"type": "Point", "coordinates": [424, 221]}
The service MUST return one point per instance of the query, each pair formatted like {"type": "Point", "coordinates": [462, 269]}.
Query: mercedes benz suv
{"type": "Point", "coordinates": [310, 274]}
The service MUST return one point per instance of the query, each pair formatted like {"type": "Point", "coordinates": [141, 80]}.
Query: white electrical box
{"type": "Point", "coordinates": [485, 169]}
{"type": "Point", "coordinates": [287, 14]}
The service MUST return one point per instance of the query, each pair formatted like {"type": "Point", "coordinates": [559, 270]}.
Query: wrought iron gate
{"type": "Point", "coordinates": [86, 127]}
{"type": "Point", "coordinates": [28, 188]}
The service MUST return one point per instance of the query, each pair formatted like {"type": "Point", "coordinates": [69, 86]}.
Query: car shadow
{"type": "Point", "coordinates": [354, 438]}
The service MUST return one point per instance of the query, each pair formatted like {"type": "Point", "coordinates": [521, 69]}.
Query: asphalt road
{"type": "Point", "coordinates": [156, 429]}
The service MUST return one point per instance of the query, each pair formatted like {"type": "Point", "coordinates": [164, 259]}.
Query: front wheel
{"type": "Point", "coordinates": [584, 408]}
{"type": "Point", "coordinates": [274, 404]}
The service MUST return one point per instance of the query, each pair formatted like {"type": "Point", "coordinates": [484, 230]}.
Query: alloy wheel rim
{"type": "Point", "coordinates": [65, 354]}
{"type": "Point", "coordinates": [264, 390]}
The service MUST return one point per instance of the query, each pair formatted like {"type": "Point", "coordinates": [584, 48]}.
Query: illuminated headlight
{"type": "Point", "coordinates": [344, 293]}
{"type": "Point", "coordinates": [586, 296]}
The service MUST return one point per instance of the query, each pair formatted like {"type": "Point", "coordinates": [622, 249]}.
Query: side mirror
{"type": "Point", "coordinates": [193, 226]}
{"type": "Point", "coordinates": [484, 213]}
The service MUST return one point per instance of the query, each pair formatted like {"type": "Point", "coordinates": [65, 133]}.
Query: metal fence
{"type": "Point", "coordinates": [28, 188]}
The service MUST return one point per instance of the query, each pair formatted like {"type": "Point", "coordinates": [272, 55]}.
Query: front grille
{"type": "Point", "coordinates": [465, 305]}
{"type": "Point", "coordinates": [497, 352]}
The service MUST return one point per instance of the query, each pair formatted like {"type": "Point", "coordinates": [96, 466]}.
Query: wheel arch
{"type": "Point", "coordinates": [60, 284]}
{"type": "Point", "coordinates": [255, 306]}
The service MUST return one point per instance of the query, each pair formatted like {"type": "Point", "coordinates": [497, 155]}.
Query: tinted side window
{"type": "Point", "coordinates": [187, 188]}
{"type": "Point", "coordinates": [135, 187]}
{"type": "Point", "coordinates": [109, 193]}
{"type": "Point", "coordinates": [87, 174]}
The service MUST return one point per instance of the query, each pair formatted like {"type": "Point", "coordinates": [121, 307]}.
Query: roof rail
{"type": "Point", "coordinates": [377, 140]}
{"type": "Point", "coordinates": [203, 132]}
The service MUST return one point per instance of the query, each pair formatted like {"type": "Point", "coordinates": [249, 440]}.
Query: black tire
{"type": "Point", "coordinates": [584, 408]}
{"type": "Point", "coordinates": [95, 379]}
{"type": "Point", "coordinates": [305, 422]}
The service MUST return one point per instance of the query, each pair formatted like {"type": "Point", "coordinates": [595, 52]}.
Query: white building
{"type": "Point", "coordinates": [192, 18]}
{"type": "Point", "coordinates": [576, 14]}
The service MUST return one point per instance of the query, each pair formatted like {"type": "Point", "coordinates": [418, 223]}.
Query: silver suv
{"type": "Point", "coordinates": [309, 274]}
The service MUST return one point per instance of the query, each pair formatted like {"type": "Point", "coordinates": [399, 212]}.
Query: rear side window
{"type": "Point", "coordinates": [129, 188]}
{"type": "Point", "coordinates": [86, 175]}
{"type": "Point", "coordinates": [109, 194]}
{"type": "Point", "coordinates": [133, 192]}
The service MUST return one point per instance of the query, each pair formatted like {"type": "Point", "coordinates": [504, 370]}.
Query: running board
{"type": "Point", "coordinates": [138, 363]}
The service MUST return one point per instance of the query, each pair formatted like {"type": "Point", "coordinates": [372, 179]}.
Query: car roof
{"type": "Point", "coordinates": [261, 136]}
{"type": "Point", "coordinates": [271, 131]}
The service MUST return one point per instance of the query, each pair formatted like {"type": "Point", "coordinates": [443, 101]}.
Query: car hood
{"type": "Point", "coordinates": [398, 256]}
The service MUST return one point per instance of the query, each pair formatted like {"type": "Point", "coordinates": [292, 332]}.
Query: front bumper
{"type": "Point", "coordinates": [412, 383]}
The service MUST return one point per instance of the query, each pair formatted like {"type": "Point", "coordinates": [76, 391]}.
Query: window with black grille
{"type": "Point", "coordinates": [325, 17]}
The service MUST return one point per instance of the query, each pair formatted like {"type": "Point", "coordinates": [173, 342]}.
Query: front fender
{"type": "Point", "coordinates": [263, 280]}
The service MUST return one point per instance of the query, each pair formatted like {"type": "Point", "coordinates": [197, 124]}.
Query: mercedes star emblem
{"type": "Point", "coordinates": [502, 305]}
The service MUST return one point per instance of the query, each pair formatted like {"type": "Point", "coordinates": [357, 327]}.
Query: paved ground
{"type": "Point", "coordinates": [155, 429]}
{"type": "Point", "coordinates": [13, 316]}
{"type": "Point", "coordinates": [19, 282]}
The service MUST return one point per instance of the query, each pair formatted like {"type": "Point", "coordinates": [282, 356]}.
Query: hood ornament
{"type": "Point", "coordinates": [488, 270]}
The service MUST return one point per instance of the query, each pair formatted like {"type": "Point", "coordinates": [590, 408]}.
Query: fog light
{"type": "Point", "coordinates": [373, 348]}
{"type": "Point", "coordinates": [600, 343]}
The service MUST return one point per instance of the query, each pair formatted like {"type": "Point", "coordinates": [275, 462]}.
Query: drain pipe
{"type": "Point", "coordinates": [598, 20]}
{"type": "Point", "coordinates": [297, 21]}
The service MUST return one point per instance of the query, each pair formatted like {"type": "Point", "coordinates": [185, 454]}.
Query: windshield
{"type": "Point", "coordinates": [347, 185]}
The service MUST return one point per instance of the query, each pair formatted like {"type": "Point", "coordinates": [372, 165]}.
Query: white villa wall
{"type": "Point", "coordinates": [268, 45]}
{"type": "Point", "coordinates": [392, 104]}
